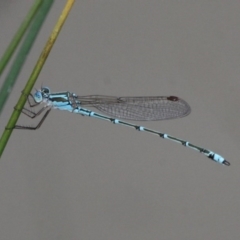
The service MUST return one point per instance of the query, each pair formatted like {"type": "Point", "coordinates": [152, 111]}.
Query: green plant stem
{"type": "Point", "coordinates": [33, 77]}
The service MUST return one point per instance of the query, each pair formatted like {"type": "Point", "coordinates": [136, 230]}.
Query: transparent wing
{"type": "Point", "coordinates": [138, 108]}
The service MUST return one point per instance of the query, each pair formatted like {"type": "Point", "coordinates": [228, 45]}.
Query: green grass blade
{"type": "Point", "coordinates": [23, 52]}
{"type": "Point", "coordinates": [18, 36]}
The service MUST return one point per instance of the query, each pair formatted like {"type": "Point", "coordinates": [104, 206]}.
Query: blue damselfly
{"type": "Point", "coordinates": [116, 108]}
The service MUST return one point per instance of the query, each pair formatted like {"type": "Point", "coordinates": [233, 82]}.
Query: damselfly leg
{"type": "Point", "coordinates": [32, 114]}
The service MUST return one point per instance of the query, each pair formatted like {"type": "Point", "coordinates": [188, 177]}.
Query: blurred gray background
{"type": "Point", "coordinates": [83, 178]}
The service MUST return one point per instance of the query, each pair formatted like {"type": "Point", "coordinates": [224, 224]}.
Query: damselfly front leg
{"type": "Point", "coordinates": [33, 114]}
{"type": "Point", "coordinates": [33, 103]}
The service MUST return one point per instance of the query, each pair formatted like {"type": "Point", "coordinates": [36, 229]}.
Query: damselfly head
{"type": "Point", "coordinates": [38, 96]}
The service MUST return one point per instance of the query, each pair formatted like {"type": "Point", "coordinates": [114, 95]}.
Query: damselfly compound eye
{"type": "Point", "coordinates": [45, 90]}
{"type": "Point", "coordinates": [38, 96]}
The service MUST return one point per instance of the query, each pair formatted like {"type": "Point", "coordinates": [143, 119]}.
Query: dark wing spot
{"type": "Point", "coordinates": [173, 98]}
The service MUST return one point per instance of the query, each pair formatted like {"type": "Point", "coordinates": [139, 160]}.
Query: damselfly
{"type": "Point", "coordinates": [130, 108]}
